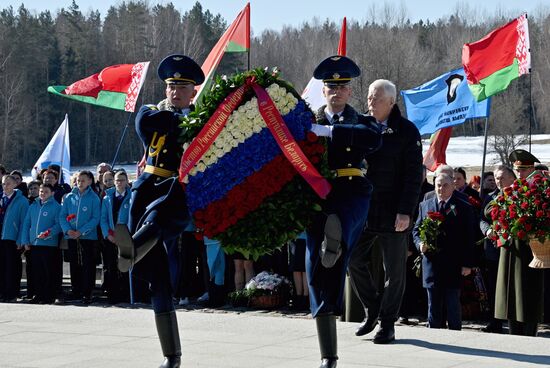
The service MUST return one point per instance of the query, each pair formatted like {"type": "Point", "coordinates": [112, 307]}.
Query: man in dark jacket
{"type": "Point", "coordinates": [443, 268]}
{"type": "Point", "coordinates": [396, 173]}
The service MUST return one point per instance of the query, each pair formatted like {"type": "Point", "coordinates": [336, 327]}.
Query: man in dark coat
{"type": "Point", "coordinates": [520, 288]}
{"type": "Point", "coordinates": [158, 211]}
{"type": "Point", "coordinates": [396, 173]}
{"type": "Point", "coordinates": [443, 268]}
{"type": "Point", "coordinates": [335, 231]}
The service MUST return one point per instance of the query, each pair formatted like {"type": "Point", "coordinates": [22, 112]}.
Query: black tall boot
{"type": "Point", "coordinates": [328, 340]}
{"type": "Point", "coordinates": [131, 249]}
{"type": "Point", "coordinates": [167, 329]}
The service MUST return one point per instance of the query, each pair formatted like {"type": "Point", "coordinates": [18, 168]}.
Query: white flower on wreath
{"type": "Point", "coordinates": [257, 128]}
{"type": "Point", "coordinates": [201, 166]}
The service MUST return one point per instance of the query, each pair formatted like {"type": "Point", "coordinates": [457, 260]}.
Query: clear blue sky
{"type": "Point", "coordinates": [273, 14]}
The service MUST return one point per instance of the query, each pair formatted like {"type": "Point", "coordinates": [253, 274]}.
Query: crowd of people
{"type": "Point", "coordinates": [369, 233]}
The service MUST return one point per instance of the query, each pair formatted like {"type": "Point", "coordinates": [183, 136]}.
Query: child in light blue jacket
{"type": "Point", "coordinates": [115, 209]}
{"type": "Point", "coordinates": [40, 235]}
{"type": "Point", "coordinates": [13, 208]}
{"type": "Point", "coordinates": [79, 218]}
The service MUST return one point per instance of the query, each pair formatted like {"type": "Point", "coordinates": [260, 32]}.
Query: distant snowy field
{"type": "Point", "coordinates": [468, 151]}
{"type": "Point", "coordinates": [462, 151]}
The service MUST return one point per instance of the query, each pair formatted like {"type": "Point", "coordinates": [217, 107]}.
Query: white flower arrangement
{"type": "Point", "coordinates": [266, 281]}
{"type": "Point", "coordinates": [244, 122]}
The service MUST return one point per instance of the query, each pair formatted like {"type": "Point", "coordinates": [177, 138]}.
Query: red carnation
{"type": "Point", "coordinates": [539, 214]}
{"type": "Point", "coordinates": [71, 217]}
{"type": "Point", "coordinates": [524, 205]}
{"type": "Point", "coordinates": [504, 235]}
{"type": "Point", "coordinates": [436, 216]}
{"type": "Point", "coordinates": [474, 202]}
{"type": "Point", "coordinates": [508, 190]}
{"type": "Point", "coordinates": [528, 227]}
{"type": "Point", "coordinates": [311, 137]}
{"type": "Point", "coordinates": [494, 213]}
{"type": "Point", "coordinates": [521, 234]}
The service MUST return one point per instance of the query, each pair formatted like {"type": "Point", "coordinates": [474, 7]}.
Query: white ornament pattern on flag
{"type": "Point", "coordinates": [523, 53]}
{"type": "Point", "coordinates": [139, 71]}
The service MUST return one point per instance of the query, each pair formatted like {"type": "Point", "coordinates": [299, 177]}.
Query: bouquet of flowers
{"type": "Point", "coordinates": [522, 211]}
{"type": "Point", "coordinates": [430, 229]}
{"type": "Point", "coordinates": [266, 283]}
{"type": "Point", "coordinates": [266, 289]}
{"type": "Point", "coordinates": [244, 190]}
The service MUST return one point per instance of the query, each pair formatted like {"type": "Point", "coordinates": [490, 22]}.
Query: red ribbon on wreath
{"type": "Point", "coordinates": [274, 122]}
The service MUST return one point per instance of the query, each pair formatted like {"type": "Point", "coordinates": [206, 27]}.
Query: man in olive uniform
{"type": "Point", "coordinates": [519, 288]}
{"type": "Point", "coordinates": [158, 210]}
{"type": "Point", "coordinates": [335, 231]}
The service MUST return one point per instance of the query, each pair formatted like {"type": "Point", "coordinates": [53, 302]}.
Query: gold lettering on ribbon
{"type": "Point", "coordinates": [210, 131]}
{"type": "Point", "coordinates": [288, 145]}
{"type": "Point", "coordinates": [294, 156]}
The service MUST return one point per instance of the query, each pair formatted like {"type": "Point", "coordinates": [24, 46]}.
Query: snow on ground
{"type": "Point", "coordinates": [468, 151]}
{"type": "Point", "coordinates": [462, 151]}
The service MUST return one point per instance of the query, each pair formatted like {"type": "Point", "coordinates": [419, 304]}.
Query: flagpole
{"type": "Point", "coordinates": [121, 140]}
{"type": "Point", "coordinates": [61, 180]}
{"type": "Point", "coordinates": [530, 109]}
{"type": "Point", "coordinates": [484, 155]}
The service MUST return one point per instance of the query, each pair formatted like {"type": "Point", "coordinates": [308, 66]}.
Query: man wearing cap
{"type": "Point", "coordinates": [330, 239]}
{"type": "Point", "coordinates": [396, 173]}
{"type": "Point", "coordinates": [519, 288]}
{"type": "Point", "coordinates": [158, 211]}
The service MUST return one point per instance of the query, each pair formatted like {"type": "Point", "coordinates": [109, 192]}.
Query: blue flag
{"type": "Point", "coordinates": [443, 102]}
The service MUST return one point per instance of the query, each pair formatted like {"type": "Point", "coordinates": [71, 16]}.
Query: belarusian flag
{"type": "Point", "coordinates": [497, 59]}
{"type": "Point", "coordinates": [116, 87]}
{"type": "Point", "coordinates": [235, 39]}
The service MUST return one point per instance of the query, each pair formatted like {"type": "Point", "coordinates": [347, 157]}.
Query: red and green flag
{"type": "Point", "coordinates": [235, 39]}
{"type": "Point", "coordinates": [116, 87]}
{"type": "Point", "coordinates": [493, 62]}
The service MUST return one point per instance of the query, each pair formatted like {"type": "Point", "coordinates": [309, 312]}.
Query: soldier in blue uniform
{"type": "Point", "coordinates": [336, 230]}
{"type": "Point", "coordinates": [158, 211]}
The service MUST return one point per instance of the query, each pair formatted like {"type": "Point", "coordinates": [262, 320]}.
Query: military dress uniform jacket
{"type": "Point", "coordinates": [354, 137]}
{"type": "Point", "coordinates": [157, 196]}
{"type": "Point", "coordinates": [395, 171]}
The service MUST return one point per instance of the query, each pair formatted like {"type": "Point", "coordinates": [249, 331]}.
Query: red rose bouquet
{"type": "Point", "coordinates": [522, 211]}
{"type": "Point", "coordinates": [429, 229]}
